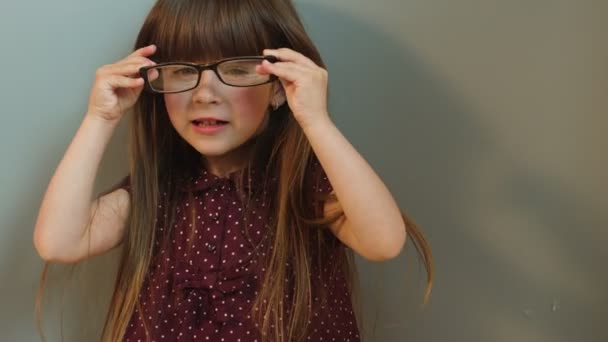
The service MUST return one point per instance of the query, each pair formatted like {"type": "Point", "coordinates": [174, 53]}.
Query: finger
{"type": "Point", "coordinates": [127, 69]}
{"type": "Point", "coordinates": [285, 70]}
{"type": "Point", "coordinates": [137, 59]}
{"type": "Point", "coordinates": [289, 55]}
{"type": "Point", "coordinates": [142, 52]}
{"type": "Point", "coordinates": [142, 61]}
{"type": "Point", "coordinates": [116, 81]}
{"type": "Point", "coordinates": [153, 74]}
{"type": "Point", "coordinates": [145, 51]}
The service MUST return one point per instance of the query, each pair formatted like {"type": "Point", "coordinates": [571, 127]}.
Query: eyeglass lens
{"type": "Point", "coordinates": [178, 77]}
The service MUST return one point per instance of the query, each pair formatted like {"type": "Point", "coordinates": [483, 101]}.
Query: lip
{"type": "Point", "coordinates": [202, 118]}
{"type": "Point", "coordinates": [208, 129]}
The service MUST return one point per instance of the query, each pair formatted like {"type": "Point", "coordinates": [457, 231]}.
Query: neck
{"type": "Point", "coordinates": [223, 165]}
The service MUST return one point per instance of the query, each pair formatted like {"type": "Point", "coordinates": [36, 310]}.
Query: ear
{"type": "Point", "coordinates": [278, 95]}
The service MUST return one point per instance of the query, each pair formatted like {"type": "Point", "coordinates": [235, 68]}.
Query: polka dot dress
{"type": "Point", "coordinates": [203, 281]}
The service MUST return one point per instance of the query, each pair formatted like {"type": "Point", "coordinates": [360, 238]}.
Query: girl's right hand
{"type": "Point", "coordinates": [117, 86]}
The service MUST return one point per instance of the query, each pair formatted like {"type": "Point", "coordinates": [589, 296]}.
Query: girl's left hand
{"type": "Point", "coordinates": [304, 82]}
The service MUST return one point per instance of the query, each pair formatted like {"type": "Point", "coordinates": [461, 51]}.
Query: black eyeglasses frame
{"type": "Point", "coordinates": [143, 72]}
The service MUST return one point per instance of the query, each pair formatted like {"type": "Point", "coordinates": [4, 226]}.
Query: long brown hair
{"type": "Point", "coordinates": [160, 161]}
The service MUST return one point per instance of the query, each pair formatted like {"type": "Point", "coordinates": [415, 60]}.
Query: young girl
{"type": "Point", "coordinates": [243, 203]}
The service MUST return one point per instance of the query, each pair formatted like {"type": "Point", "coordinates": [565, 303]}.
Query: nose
{"type": "Point", "coordinates": [206, 89]}
{"type": "Point", "coordinates": [208, 76]}
{"type": "Point", "coordinates": [208, 79]}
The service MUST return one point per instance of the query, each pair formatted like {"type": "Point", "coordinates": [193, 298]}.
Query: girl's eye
{"type": "Point", "coordinates": [236, 71]}
{"type": "Point", "coordinates": [185, 71]}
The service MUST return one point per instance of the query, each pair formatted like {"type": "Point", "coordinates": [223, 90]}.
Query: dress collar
{"type": "Point", "coordinates": [206, 180]}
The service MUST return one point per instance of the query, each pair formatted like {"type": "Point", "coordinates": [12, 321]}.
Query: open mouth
{"type": "Point", "coordinates": [209, 123]}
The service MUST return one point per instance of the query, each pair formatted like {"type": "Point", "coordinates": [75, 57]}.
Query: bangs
{"type": "Point", "coordinates": [207, 30]}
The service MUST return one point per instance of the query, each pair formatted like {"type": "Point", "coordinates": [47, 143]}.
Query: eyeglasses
{"type": "Point", "coordinates": [179, 77]}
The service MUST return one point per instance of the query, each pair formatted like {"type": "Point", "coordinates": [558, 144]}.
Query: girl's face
{"type": "Point", "coordinates": [243, 108]}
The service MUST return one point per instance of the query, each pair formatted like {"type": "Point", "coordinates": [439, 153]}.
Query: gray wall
{"type": "Point", "coordinates": [484, 117]}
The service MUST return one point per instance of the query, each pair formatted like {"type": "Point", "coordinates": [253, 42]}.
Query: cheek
{"type": "Point", "coordinates": [251, 103]}
{"type": "Point", "coordinates": [174, 103]}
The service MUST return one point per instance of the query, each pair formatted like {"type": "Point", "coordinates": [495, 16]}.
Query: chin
{"type": "Point", "coordinates": [219, 147]}
{"type": "Point", "coordinates": [211, 152]}
{"type": "Point", "coordinates": [215, 148]}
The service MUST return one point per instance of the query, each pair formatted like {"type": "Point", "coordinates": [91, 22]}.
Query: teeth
{"type": "Point", "coordinates": [208, 123]}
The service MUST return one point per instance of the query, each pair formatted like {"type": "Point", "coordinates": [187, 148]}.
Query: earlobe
{"type": "Point", "coordinates": [278, 96]}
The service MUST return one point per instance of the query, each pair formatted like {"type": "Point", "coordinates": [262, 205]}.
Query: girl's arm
{"type": "Point", "coordinates": [374, 227]}
{"type": "Point", "coordinates": [60, 234]}
{"type": "Point", "coordinates": [69, 227]}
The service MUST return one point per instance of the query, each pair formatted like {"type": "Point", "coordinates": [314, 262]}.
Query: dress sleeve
{"type": "Point", "coordinates": [125, 183]}
{"type": "Point", "coordinates": [319, 186]}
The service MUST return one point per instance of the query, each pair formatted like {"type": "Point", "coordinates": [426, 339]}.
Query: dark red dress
{"type": "Point", "coordinates": [201, 285]}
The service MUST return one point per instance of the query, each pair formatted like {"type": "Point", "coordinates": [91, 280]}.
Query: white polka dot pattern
{"type": "Point", "coordinates": [203, 280]}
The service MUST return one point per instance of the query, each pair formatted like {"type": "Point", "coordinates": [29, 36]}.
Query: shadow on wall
{"type": "Point", "coordinates": [73, 291]}
{"type": "Point", "coordinates": [421, 137]}
{"type": "Point", "coordinates": [495, 281]}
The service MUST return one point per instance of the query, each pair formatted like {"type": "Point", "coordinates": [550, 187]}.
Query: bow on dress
{"type": "Point", "coordinates": [218, 296]}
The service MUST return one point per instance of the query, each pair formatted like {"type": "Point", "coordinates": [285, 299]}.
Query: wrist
{"type": "Point", "coordinates": [98, 120]}
{"type": "Point", "coordinates": [99, 124]}
{"type": "Point", "coordinates": [320, 122]}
